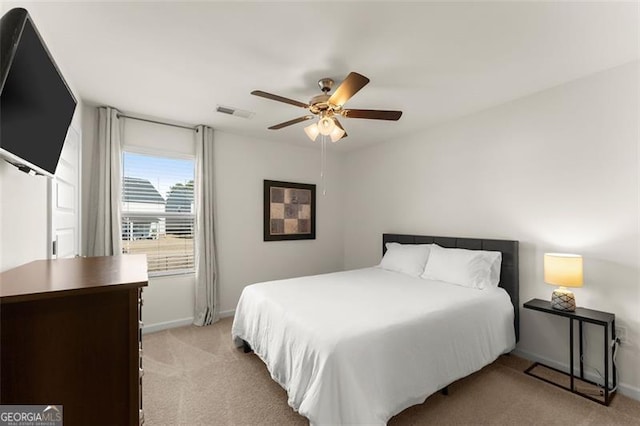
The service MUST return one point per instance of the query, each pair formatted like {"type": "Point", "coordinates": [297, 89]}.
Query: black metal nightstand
{"type": "Point", "coordinates": [582, 315]}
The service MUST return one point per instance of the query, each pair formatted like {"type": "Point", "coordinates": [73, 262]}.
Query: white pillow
{"type": "Point", "coordinates": [409, 259]}
{"type": "Point", "coordinates": [470, 268]}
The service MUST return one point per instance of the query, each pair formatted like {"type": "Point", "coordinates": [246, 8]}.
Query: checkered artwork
{"type": "Point", "coordinates": [291, 209]}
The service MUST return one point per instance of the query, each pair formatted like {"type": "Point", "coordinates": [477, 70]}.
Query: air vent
{"type": "Point", "coordinates": [234, 111]}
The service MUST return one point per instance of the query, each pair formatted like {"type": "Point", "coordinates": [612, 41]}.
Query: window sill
{"type": "Point", "coordinates": [181, 272]}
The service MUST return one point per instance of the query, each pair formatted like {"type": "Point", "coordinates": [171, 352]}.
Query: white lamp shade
{"type": "Point", "coordinates": [326, 125]}
{"type": "Point", "coordinates": [336, 134]}
{"type": "Point", "coordinates": [563, 269]}
{"type": "Point", "coordinates": [312, 131]}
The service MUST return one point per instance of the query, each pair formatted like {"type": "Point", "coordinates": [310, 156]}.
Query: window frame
{"type": "Point", "coordinates": [133, 149]}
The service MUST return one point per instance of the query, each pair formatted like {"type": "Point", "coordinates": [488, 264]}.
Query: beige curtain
{"type": "Point", "coordinates": [206, 304]}
{"type": "Point", "coordinates": [105, 233]}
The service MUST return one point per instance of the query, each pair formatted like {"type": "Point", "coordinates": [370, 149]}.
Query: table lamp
{"type": "Point", "coordinates": [564, 270]}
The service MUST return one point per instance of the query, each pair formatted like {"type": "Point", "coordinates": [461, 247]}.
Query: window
{"type": "Point", "coordinates": [158, 211]}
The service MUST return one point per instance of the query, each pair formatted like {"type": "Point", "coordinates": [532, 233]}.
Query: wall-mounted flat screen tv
{"type": "Point", "coordinates": [36, 104]}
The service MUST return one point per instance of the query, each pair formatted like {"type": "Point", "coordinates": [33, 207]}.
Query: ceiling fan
{"type": "Point", "coordinates": [329, 107]}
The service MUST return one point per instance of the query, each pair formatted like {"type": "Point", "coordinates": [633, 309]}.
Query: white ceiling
{"type": "Point", "coordinates": [434, 61]}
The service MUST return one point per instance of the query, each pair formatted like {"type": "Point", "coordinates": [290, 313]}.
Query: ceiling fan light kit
{"type": "Point", "coordinates": [326, 125]}
{"type": "Point", "coordinates": [312, 131]}
{"type": "Point", "coordinates": [329, 107]}
{"type": "Point", "coordinates": [335, 134]}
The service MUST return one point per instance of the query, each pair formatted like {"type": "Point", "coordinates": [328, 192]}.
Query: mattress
{"type": "Point", "coordinates": [358, 347]}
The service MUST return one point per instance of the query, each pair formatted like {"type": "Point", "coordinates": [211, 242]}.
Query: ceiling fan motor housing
{"type": "Point", "coordinates": [319, 104]}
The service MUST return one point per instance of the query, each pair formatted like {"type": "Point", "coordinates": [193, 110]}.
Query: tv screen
{"type": "Point", "coordinates": [36, 105]}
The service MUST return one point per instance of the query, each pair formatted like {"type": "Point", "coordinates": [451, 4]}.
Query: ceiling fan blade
{"type": "Point", "coordinates": [278, 98]}
{"type": "Point", "coordinates": [341, 128]}
{"type": "Point", "coordinates": [349, 87]}
{"type": "Point", "coordinates": [290, 122]}
{"type": "Point", "coordinates": [372, 114]}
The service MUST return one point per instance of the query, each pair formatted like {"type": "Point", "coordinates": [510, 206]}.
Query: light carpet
{"type": "Point", "coordinates": [194, 375]}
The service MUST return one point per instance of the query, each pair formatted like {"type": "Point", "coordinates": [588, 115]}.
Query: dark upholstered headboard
{"type": "Point", "coordinates": [509, 272]}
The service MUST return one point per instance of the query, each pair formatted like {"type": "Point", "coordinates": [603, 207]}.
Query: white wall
{"type": "Point", "coordinates": [24, 226]}
{"type": "Point", "coordinates": [89, 129]}
{"type": "Point", "coordinates": [557, 171]}
{"type": "Point", "coordinates": [241, 165]}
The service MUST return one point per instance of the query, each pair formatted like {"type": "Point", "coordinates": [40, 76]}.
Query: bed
{"type": "Point", "coordinates": [358, 347]}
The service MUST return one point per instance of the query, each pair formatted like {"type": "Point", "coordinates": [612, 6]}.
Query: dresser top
{"type": "Point", "coordinates": [65, 277]}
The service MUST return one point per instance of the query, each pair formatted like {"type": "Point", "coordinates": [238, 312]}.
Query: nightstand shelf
{"type": "Point", "coordinates": [581, 315]}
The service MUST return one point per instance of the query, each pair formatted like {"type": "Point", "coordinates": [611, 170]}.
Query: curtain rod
{"type": "Point", "coordinates": [157, 122]}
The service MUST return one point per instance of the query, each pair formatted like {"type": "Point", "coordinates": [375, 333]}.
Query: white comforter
{"type": "Point", "coordinates": [360, 346]}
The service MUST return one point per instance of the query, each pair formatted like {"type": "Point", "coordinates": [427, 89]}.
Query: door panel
{"type": "Point", "coordinates": [64, 206]}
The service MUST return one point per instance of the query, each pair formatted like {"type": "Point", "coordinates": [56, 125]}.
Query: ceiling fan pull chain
{"type": "Point", "coordinates": [321, 158]}
{"type": "Point", "coordinates": [323, 164]}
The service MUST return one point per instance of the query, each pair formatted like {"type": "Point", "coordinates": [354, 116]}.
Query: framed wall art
{"type": "Point", "coordinates": [289, 211]}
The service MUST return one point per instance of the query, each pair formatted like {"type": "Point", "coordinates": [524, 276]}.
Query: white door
{"type": "Point", "coordinates": [64, 203]}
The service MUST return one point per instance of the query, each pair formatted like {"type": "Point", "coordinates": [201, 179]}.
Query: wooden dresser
{"type": "Point", "coordinates": [70, 334]}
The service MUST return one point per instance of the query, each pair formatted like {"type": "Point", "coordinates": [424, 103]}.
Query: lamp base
{"type": "Point", "coordinates": [563, 300]}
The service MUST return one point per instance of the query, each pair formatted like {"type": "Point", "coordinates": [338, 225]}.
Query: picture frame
{"type": "Point", "coordinates": [289, 211]}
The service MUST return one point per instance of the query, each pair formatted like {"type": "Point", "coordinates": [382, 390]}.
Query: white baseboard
{"type": "Point", "coordinates": [226, 314]}
{"type": "Point", "coordinates": [151, 328]}
{"type": "Point", "coordinates": [624, 389]}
